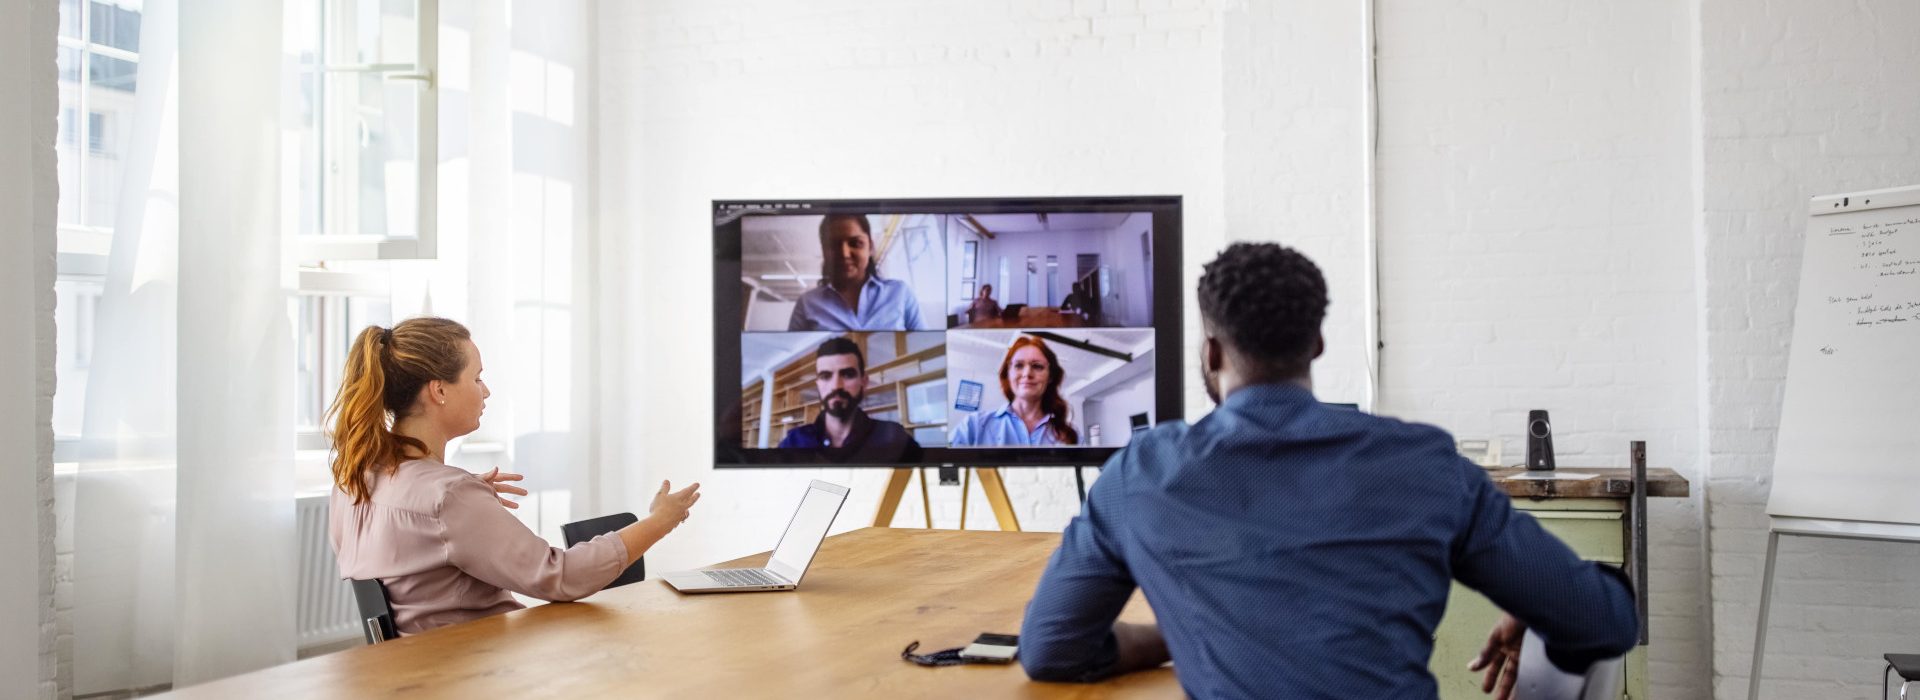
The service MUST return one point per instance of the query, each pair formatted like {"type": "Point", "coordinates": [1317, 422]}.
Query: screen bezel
{"type": "Point", "coordinates": [1168, 322]}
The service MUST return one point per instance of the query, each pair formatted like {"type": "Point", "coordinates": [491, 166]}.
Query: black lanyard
{"type": "Point", "coordinates": [948, 657]}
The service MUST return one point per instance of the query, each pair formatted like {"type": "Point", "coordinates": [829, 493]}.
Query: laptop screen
{"type": "Point", "coordinates": [809, 526]}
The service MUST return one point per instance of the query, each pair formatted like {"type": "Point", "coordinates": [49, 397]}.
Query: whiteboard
{"type": "Point", "coordinates": [1849, 442]}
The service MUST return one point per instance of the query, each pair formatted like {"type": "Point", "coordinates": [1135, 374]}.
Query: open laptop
{"type": "Point", "coordinates": [1012, 312]}
{"type": "Point", "coordinates": [790, 558]}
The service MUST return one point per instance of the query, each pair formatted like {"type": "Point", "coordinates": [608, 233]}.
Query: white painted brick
{"type": "Point", "coordinates": [846, 99]}
{"type": "Point", "coordinates": [29, 665]}
{"type": "Point", "coordinates": [1537, 168]}
{"type": "Point", "coordinates": [1777, 129]}
{"type": "Point", "coordinates": [1519, 197]}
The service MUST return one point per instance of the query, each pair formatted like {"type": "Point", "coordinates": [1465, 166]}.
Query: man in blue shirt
{"type": "Point", "coordinates": [852, 296]}
{"type": "Point", "coordinates": [1291, 550]}
{"type": "Point", "coordinates": [844, 433]}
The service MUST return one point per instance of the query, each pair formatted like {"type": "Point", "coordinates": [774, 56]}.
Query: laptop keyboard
{"type": "Point", "coordinates": [742, 577]}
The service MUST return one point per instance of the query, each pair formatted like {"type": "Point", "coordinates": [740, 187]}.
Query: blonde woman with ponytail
{"type": "Point", "coordinates": [439, 536]}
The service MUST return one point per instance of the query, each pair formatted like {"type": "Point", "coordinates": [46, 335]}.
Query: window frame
{"type": "Point", "coordinates": [424, 245]}
{"type": "Point", "coordinates": [329, 285]}
{"type": "Point", "coordinates": [82, 247]}
{"type": "Point", "coordinates": [73, 447]}
{"type": "Point", "coordinates": [329, 245]}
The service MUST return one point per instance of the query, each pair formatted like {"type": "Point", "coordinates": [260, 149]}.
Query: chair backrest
{"type": "Point", "coordinates": [1540, 680]}
{"type": "Point", "coordinates": [584, 530]}
{"type": "Point", "coordinates": [376, 612]}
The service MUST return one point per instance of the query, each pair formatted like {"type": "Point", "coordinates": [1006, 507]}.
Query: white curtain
{"type": "Point", "coordinates": [181, 515]}
{"type": "Point", "coordinates": [184, 574]}
{"type": "Point", "coordinates": [234, 594]}
{"type": "Point", "coordinates": [122, 520]}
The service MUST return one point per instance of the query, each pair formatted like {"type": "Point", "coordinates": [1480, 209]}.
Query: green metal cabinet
{"type": "Point", "coordinates": [1596, 528]}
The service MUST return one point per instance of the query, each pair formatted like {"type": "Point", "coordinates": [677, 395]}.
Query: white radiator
{"type": "Point", "coordinates": [326, 613]}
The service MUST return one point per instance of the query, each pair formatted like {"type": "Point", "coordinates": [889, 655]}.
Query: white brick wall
{"type": "Point", "coordinates": [1797, 99]}
{"type": "Point", "coordinates": [1294, 161]}
{"type": "Point", "coordinates": [27, 206]}
{"type": "Point", "coordinates": [707, 100]}
{"type": "Point", "coordinates": [1536, 158]}
{"type": "Point", "coordinates": [1587, 207]}
{"type": "Point", "coordinates": [1534, 209]}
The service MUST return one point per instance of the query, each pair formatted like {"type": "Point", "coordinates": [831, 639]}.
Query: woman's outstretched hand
{"type": "Point", "coordinates": [674, 507]}
{"type": "Point", "coordinates": [670, 508]}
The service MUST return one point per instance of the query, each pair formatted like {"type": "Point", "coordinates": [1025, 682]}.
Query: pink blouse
{"type": "Point", "coordinates": [448, 552]}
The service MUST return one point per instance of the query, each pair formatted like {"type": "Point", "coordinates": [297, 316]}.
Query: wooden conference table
{"type": "Point", "coordinates": [868, 593]}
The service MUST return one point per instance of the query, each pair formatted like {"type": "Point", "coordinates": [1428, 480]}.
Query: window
{"type": "Point", "coordinates": [1053, 280]}
{"type": "Point", "coordinates": [364, 143]}
{"type": "Point", "coordinates": [99, 60]}
{"type": "Point", "coordinates": [97, 134]}
{"type": "Point", "coordinates": [77, 298]}
{"type": "Point", "coordinates": [115, 24]}
{"type": "Point", "coordinates": [1034, 297]}
{"type": "Point", "coordinates": [361, 148]}
{"type": "Point", "coordinates": [99, 63]}
{"type": "Point", "coordinates": [969, 268]}
{"type": "Point", "coordinates": [326, 324]}
{"type": "Point", "coordinates": [1004, 289]}
{"type": "Point", "coordinates": [927, 403]}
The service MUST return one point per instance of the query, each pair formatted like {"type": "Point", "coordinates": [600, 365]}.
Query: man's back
{"type": "Point", "coordinates": [1294, 550]}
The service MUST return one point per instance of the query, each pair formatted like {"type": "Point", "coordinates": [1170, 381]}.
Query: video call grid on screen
{"type": "Point", "coordinates": [965, 307]}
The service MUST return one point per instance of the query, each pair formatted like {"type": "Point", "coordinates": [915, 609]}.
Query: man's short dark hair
{"type": "Point", "coordinates": [842, 346]}
{"type": "Point", "coordinates": [1266, 301]}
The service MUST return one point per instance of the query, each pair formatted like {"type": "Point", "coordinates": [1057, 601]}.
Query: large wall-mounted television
{"type": "Point", "coordinates": [931, 332]}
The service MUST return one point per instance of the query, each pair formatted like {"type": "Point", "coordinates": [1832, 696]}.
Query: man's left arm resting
{"type": "Point", "coordinates": [1070, 634]}
{"type": "Point", "coordinates": [1141, 647]}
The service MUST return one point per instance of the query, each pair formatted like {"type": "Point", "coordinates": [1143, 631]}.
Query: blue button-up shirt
{"type": "Point", "coordinates": [868, 440]}
{"type": "Point", "coordinates": [1291, 550]}
{"type": "Point", "coordinates": [885, 305]}
{"type": "Point", "coordinates": [1002, 427]}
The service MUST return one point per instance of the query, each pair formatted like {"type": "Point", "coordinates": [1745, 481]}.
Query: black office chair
{"type": "Point", "coordinates": [584, 530]}
{"type": "Point", "coordinates": [1908, 668]}
{"type": "Point", "coordinates": [1540, 680]}
{"type": "Point", "coordinates": [376, 612]}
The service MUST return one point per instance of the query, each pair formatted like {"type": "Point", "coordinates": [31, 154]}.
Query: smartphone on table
{"type": "Point", "coordinates": [992, 648]}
